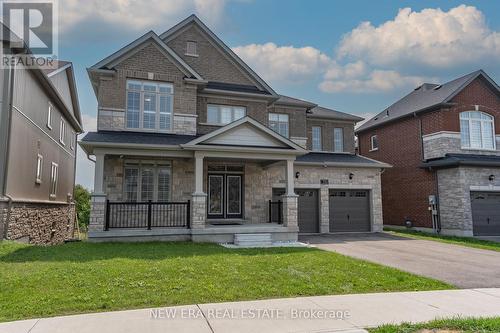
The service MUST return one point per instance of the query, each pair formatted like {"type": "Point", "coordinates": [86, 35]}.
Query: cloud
{"type": "Point", "coordinates": [431, 37]}
{"type": "Point", "coordinates": [283, 63]}
{"type": "Point", "coordinates": [104, 18]}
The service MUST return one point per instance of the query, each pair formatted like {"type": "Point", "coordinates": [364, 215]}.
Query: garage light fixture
{"type": "Point", "coordinates": [351, 176]}
{"type": "Point", "coordinates": [491, 178]}
{"type": "Point", "coordinates": [297, 175]}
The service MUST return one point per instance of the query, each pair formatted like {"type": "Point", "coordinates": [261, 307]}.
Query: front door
{"type": "Point", "coordinates": [225, 199]}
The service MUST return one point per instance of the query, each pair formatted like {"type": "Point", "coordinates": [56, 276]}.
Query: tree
{"type": "Point", "coordinates": [82, 201]}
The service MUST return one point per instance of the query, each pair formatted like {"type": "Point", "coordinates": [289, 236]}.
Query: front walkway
{"type": "Point", "coordinates": [461, 266]}
{"type": "Point", "coordinates": [280, 315]}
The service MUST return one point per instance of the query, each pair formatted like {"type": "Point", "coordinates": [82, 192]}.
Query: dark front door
{"type": "Point", "coordinates": [485, 213]}
{"type": "Point", "coordinates": [349, 211]}
{"type": "Point", "coordinates": [225, 196]}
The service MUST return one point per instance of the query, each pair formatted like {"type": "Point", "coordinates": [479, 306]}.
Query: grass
{"type": "Point", "coordinates": [90, 277]}
{"type": "Point", "coordinates": [468, 325]}
{"type": "Point", "coordinates": [465, 241]}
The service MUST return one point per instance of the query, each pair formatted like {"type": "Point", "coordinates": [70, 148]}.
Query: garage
{"type": "Point", "coordinates": [308, 208]}
{"type": "Point", "coordinates": [485, 213]}
{"type": "Point", "coordinates": [349, 211]}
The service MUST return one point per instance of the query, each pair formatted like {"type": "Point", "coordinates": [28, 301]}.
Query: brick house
{"type": "Point", "coordinates": [444, 144]}
{"type": "Point", "coordinates": [193, 145]}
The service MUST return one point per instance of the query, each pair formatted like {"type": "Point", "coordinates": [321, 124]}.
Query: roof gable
{"type": "Point", "coordinates": [194, 22]}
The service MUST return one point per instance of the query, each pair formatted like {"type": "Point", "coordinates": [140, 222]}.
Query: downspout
{"type": "Point", "coordinates": [10, 94]}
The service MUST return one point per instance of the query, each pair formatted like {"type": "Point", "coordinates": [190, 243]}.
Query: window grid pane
{"type": "Point", "coordinates": [476, 130]}
{"type": "Point", "coordinates": [279, 123]}
{"type": "Point", "coordinates": [338, 135]}
{"type": "Point", "coordinates": [131, 178]}
{"type": "Point", "coordinates": [164, 184]}
{"type": "Point", "coordinates": [147, 182]}
{"type": "Point", "coordinates": [224, 114]}
{"type": "Point", "coordinates": [316, 138]}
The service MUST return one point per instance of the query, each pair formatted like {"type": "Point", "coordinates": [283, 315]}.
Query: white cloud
{"type": "Point", "coordinates": [283, 63]}
{"type": "Point", "coordinates": [431, 37]}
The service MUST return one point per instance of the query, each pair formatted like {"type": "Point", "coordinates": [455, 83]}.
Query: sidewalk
{"type": "Point", "coordinates": [279, 315]}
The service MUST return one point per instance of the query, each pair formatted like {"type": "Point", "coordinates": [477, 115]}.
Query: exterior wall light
{"type": "Point", "coordinates": [297, 175]}
{"type": "Point", "coordinates": [351, 176]}
{"type": "Point", "coordinates": [491, 178]}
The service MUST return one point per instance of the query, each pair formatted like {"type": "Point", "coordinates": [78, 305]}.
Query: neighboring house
{"type": "Point", "coordinates": [39, 123]}
{"type": "Point", "coordinates": [192, 144]}
{"type": "Point", "coordinates": [444, 143]}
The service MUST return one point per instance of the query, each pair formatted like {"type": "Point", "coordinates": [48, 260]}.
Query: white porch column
{"type": "Point", "coordinates": [99, 174]}
{"type": "Point", "coordinates": [98, 198]}
{"type": "Point", "coordinates": [290, 199]}
{"type": "Point", "coordinates": [199, 202]}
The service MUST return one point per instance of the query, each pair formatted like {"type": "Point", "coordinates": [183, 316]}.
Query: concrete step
{"type": "Point", "coordinates": [263, 239]}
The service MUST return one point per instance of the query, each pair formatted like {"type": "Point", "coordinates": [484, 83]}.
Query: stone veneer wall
{"type": "Point", "coordinates": [454, 196]}
{"type": "Point", "coordinates": [436, 146]}
{"type": "Point", "coordinates": [38, 223]}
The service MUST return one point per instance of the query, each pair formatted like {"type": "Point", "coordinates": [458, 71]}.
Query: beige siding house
{"type": "Point", "coordinates": [193, 145]}
{"type": "Point", "coordinates": [40, 120]}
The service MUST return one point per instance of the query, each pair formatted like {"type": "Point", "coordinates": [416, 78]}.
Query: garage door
{"type": "Point", "coordinates": [308, 209]}
{"type": "Point", "coordinates": [485, 213]}
{"type": "Point", "coordinates": [349, 211]}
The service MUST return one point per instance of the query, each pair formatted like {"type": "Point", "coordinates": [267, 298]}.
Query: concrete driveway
{"type": "Point", "coordinates": [461, 266]}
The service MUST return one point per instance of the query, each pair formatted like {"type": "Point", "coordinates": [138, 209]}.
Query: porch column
{"type": "Point", "coordinates": [98, 198]}
{"type": "Point", "coordinates": [99, 173]}
{"type": "Point", "coordinates": [199, 202]}
{"type": "Point", "coordinates": [290, 199]}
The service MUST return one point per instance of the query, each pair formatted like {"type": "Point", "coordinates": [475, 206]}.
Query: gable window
{"type": "Point", "coordinates": [49, 116]}
{"type": "Point", "coordinates": [338, 139]}
{"type": "Point", "coordinates": [149, 105]}
{"type": "Point", "coordinates": [144, 181]}
{"type": "Point", "coordinates": [224, 114]}
{"type": "Point", "coordinates": [62, 131]}
{"type": "Point", "coordinates": [191, 48]}
{"type": "Point", "coordinates": [477, 130]}
{"type": "Point", "coordinates": [53, 179]}
{"type": "Point", "coordinates": [373, 143]}
{"type": "Point", "coordinates": [39, 169]}
{"type": "Point", "coordinates": [278, 122]}
{"type": "Point", "coordinates": [316, 138]}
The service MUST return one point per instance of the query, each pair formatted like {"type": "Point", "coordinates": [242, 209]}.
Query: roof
{"type": "Point", "coordinates": [425, 97]}
{"type": "Point", "coordinates": [321, 112]}
{"type": "Point", "coordinates": [287, 100]}
{"type": "Point", "coordinates": [455, 160]}
{"type": "Point", "coordinates": [341, 159]}
{"type": "Point", "coordinates": [137, 138]}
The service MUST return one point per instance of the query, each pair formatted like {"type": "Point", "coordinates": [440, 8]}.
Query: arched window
{"type": "Point", "coordinates": [477, 130]}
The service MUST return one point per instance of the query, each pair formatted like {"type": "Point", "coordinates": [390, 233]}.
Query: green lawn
{"type": "Point", "coordinates": [86, 277]}
{"type": "Point", "coordinates": [465, 241]}
{"type": "Point", "coordinates": [469, 325]}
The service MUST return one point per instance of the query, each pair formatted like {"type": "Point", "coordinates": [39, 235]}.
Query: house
{"type": "Point", "coordinates": [444, 143]}
{"type": "Point", "coordinates": [193, 145]}
{"type": "Point", "coordinates": [39, 122]}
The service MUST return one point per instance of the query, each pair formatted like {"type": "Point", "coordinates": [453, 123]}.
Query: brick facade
{"type": "Point", "coordinates": [327, 127]}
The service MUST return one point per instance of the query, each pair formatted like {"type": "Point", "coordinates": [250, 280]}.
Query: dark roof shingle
{"type": "Point", "coordinates": [137, 138]}
{"type": "Point", "coordinates": [315, 157]}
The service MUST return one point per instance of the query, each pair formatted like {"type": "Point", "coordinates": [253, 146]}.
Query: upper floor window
{"type": "Point", "coordinates": [224, 114]}
{"type": "Point", "coordinates": [278, 122]}
{"type": "Point", "coordinates": [477, 130]}
{"type": "Point", "coordinates": [149, 105]}
{"type": "Point", "coordinates": [373, 143]}
{"type": "Point", "coordinates": [62, 131]}
{"type": "Point", "coordinates": [49, 116]}
{"type": "Point", "coordinates": [338, 139]}
{"type": "Point", "coordinates": [191, 48]}
{"type": "Point", "coordinates": [316, 138]}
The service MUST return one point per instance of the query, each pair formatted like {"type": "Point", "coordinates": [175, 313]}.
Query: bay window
{"type": "Point", "coordinates": [477, 130]}
{"type": "Point", "coordinates": [278, 122]}
{"type": "Point", "coordinates": [144, 181]}
{"type": "Point", "coordinates": [149, 105]}
{"type": "Point", "coordinates": [224, 114]}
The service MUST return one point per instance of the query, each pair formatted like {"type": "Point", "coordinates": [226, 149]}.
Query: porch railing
{"type": "Point", "coordinates": [276, 211]}
{"type": "Point", "coordinates": [148, 215]}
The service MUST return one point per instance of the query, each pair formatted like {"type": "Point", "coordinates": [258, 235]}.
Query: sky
{"type": "Point", "coordinates": [353, 56]}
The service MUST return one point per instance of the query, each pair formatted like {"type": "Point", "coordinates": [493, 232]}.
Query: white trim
{"type": "Point", "coordinates": [372, 148]}
{"type": "Point", "coordinates": [62, 131]}
{"type": "Point", "coordinates": [54, 179]}
{"type": "Point", "coordinates": [59, 70]}
{"type": "Point", "coordinates": [186, 115]}
{"type": "Point", "coordinates": [49, 116]}
{"type": "Point", "coordinates": [484, 188]}
{"type": "Point", "coordinates": [378, 165]}
{"type": "Point", "coordinates": [39, 169]}
{"type": "Point", "coordinates": [441, 134]}
{"type": "Point", "coordinates": [481, 123]}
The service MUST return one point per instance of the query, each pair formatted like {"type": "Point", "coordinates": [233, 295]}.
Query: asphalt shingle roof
{"type": "Point", "coordinates": [137, 138]}
{"type": "Point", "coordinates": [454, 160]}
{"type": "Point", "coordinates": [322, 112]}
{"type": "Point", "coordinates": [335, 158]}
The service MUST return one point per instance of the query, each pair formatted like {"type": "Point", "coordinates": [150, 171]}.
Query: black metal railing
{"type": "Point", "coordinates": [276, 211]}
{"type": "Point", "coordinates": [148, 215]}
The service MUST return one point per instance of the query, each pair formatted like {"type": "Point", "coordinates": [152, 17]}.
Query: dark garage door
{"type": "Point", "coordinates": [308, 205]}
{"type": "Point", "coordinates": [349, 211]}
{"type": "Point", "coordinates": [485, 213]}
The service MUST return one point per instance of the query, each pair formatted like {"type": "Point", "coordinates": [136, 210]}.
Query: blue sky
{"type": "Point", "coordinates": [353, 56]}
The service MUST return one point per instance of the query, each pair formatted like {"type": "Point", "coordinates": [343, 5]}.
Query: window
{"type": "Point", "coordinates": [49, 116]}
{"type": "Point", "coordinates": [191, 48]}
{"type": "Point", "coordinates": [53, 179]}
{"type": "Point", "coordinates": [316, 138]}
{"type": "Point", "coordinates": [477, 130]}
{"type": "Point", "coordinates": [338, 139]}
{"type": "Point", "coordinates": [149, 105]}
{"type": "Point", "coordinates": [62, 131]}
{"type": "Point", "coordinates": [224, 114]}
{"type": "Point", "coordinates": [278, 122]}
{"type": "Point", "coordinates": [39, 169]}
{"type": "Point", "coordinates": [373, 142]}
{"type": "Point", "coordinates": [145, 181]}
